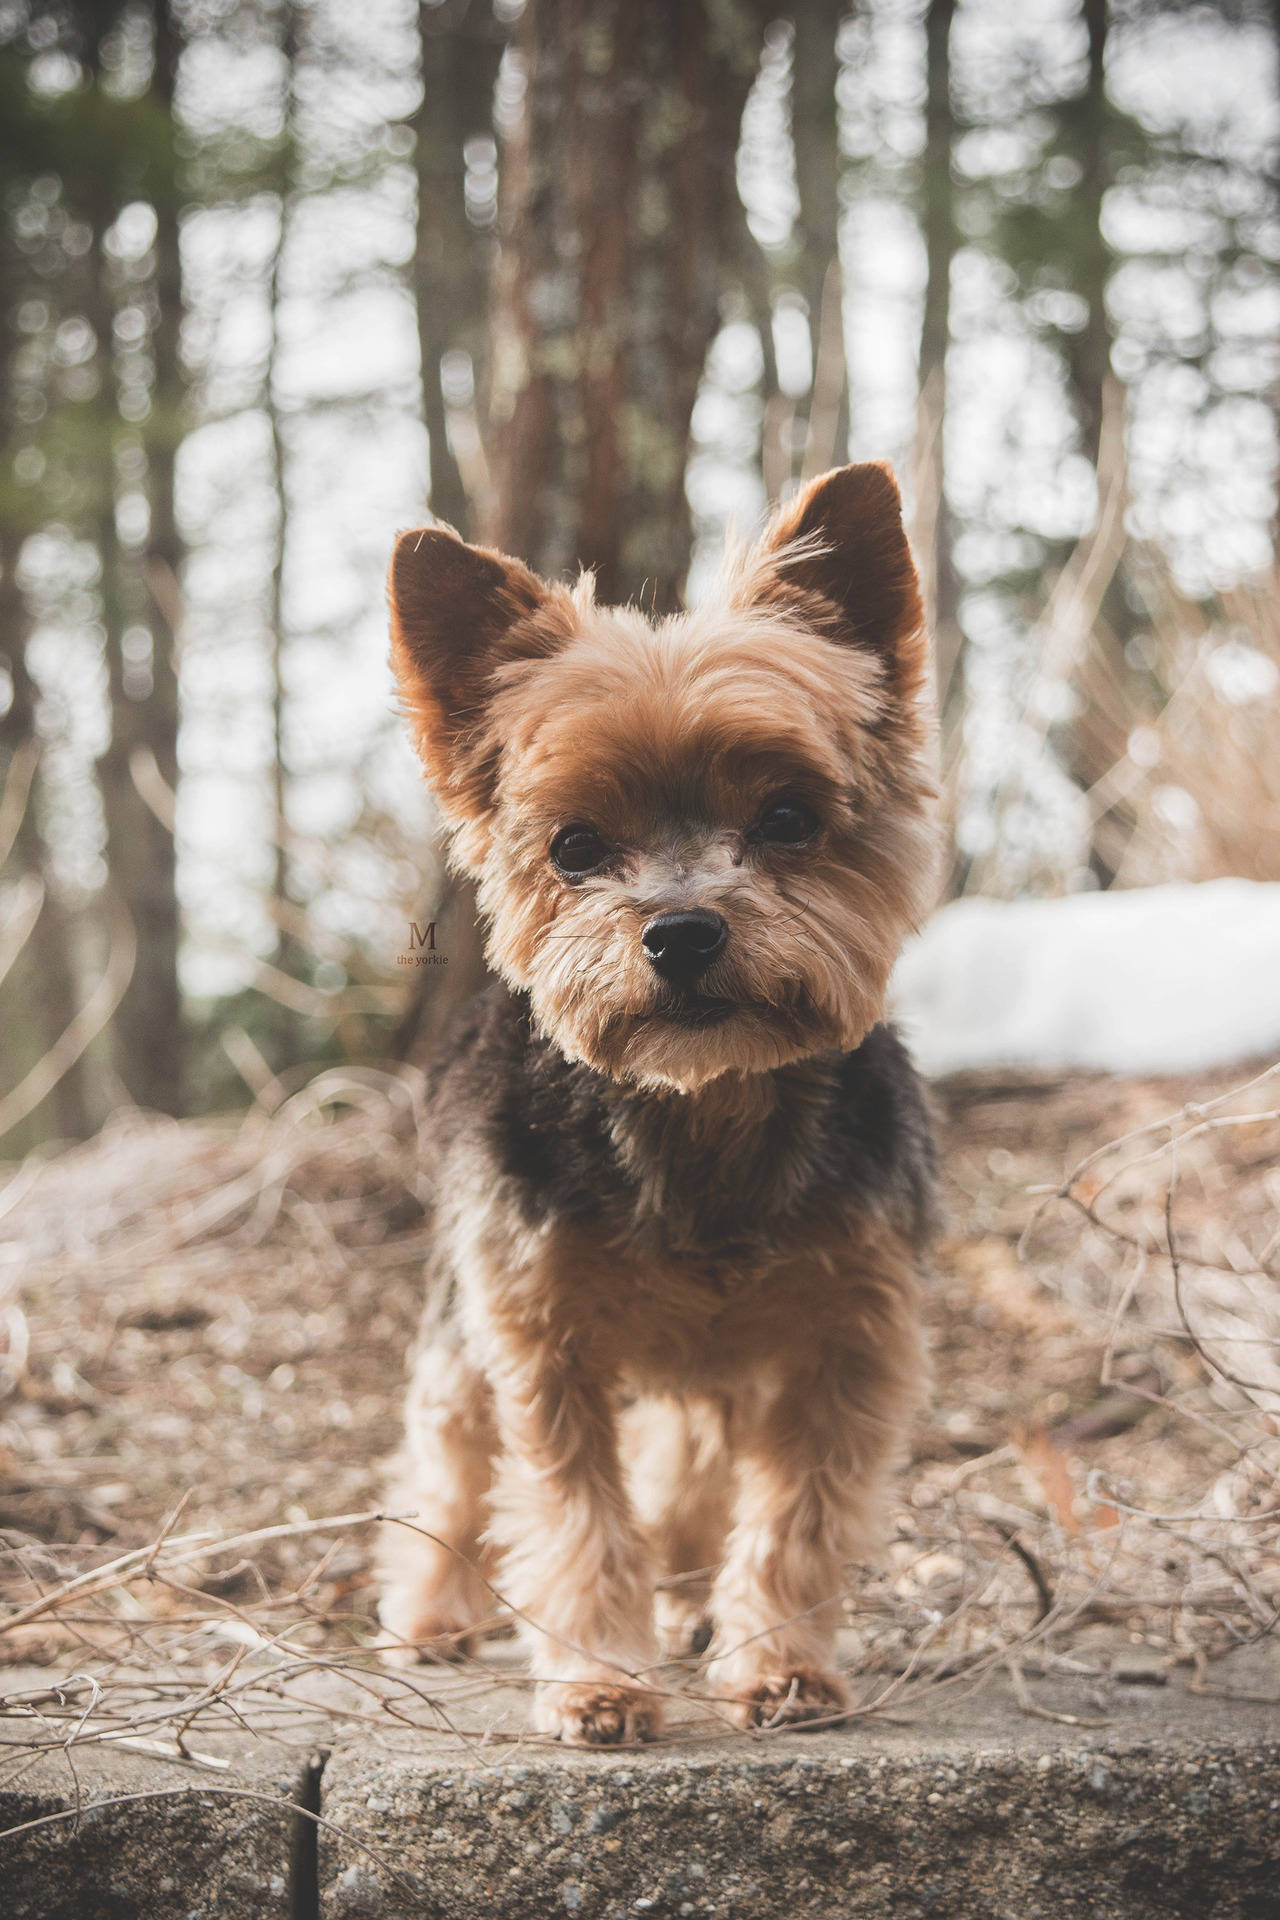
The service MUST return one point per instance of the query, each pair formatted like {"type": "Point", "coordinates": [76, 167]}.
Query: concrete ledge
{"type": "Point", "coordinates": [1095, 1832]}
{"type": "Point", "coordinates": [189, 1851]}
{"type": "Point", "coordinates": [978, 1812]}
{"type": "Point", "coordinates": [964, 1808]}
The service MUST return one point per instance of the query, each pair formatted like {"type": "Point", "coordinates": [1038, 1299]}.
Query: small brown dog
{"type": "Point", "coordinates": [684, 1176]}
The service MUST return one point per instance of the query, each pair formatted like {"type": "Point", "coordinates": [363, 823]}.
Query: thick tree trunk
{"type": "Point", "coordinates": [147, 1030]}
{"type": "Point", "coordinates": [618, 200]}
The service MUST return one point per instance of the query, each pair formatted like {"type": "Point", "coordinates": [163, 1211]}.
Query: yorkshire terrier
{"type": "Point", "coordinates": [684, 1174]}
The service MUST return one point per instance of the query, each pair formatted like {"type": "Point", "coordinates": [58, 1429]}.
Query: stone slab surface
{"type": "Point", "coordinates": [1151, 1800]}
{"type": "Point", "coordinates": [976, 1810]}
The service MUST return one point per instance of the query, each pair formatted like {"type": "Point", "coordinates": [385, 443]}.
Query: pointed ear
{"type": "Point", "coordinates": [853, 576]}
{"type": "Point", "coordinates": [457, 612]}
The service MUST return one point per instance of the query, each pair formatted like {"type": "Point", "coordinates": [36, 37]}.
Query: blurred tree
{"type": "Point", "coordinates": [38, 982]}
{"type": "Point", "coordinates": [83, 144]}
{"type": "Point", "coordinates": [1052, 233]}
{"type": "Point", "coordinates": [280, 171]}
{"type": "Point", "coordinates": [163, 431]}
{"type": "Point", "coordinates": [139, 587]}
{"type": "Point", "coordinates": [804, 428]}
{"type": "Point", "coordinates": [1096, 741]}
{"type": "Point", "coordinates": [38, 987]}
{"type": "Point", "coordinates": [941, 240]}
{"type": "Point", "coordinates": [821, 434]}
{"type": "Point", "coordinates": [618, 218]}
{"type": "Point", "coordinates": [461, 46]}
{"type": "Point", "coordinates": [1090, 128]}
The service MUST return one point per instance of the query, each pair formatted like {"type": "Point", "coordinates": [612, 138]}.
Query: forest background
{"type": "Point", "coordinates": [593, 281]}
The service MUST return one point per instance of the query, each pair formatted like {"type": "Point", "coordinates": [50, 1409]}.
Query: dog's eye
{"type": "Point", "coordinates": [787, 823]}
{"type": "Point", "coordinates": [577, 850]}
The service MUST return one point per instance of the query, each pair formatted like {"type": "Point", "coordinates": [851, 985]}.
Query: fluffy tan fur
{"type": "Point", "coordinates": [607, 1409]}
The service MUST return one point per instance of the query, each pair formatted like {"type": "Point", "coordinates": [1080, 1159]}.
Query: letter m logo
{"type": "Point", "coordinates": [422, 936]}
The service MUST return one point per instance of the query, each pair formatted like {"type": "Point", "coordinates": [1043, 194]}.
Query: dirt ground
{"type": "Point", "coordinates": [218, 1321]}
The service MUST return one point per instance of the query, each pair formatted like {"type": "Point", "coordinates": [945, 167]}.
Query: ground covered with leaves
{"type": "Point", "coordinates": [205, 1331]}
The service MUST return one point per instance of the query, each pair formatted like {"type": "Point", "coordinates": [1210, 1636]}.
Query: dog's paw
{"type": "Point", "coordinates": [787, 1699]}
{"type": "Point", "coordinates": [592, 1713]}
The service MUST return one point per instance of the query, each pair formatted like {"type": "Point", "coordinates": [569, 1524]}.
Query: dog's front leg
{"type": "Point", "coordinates": [576, 1567]}
{"type": "Point", "coordinates": [811, 1465]}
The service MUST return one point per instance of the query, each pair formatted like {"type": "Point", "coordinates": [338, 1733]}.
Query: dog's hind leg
{"type": "Point", "coordinates": [433, 1598]}
{"type": "Point", "coordinates": [678, 1470]}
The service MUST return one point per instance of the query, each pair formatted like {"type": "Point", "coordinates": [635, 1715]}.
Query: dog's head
{"type": "Point", "coordinates": [698, 843]}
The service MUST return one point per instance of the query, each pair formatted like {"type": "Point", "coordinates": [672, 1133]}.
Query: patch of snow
{"type": "Point", "coordinates": [1171, 979]}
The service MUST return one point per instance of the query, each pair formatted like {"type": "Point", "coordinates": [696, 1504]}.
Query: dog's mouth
{"type": "Point", "coordinates": [700, 1012]}
{"type": "Point", "coordinates": [697, 1010]}
{"type": "Point", "coordinates": [683, 1039]}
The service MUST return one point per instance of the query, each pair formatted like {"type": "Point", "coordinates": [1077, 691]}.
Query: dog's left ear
{"type": "Point", "coordinates": [838, 554]}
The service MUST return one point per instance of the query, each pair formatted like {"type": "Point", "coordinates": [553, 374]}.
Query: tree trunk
{"type": "Point", "coordinates": [1089, 350]}
{"type": "Point", "coordinates": [935, 339]}
{"type": "Point", "coordinates": [147, 1027]}
{"type": "Point", "coordinates": [146, 1030]}
{"type": "Point", "coordinates": [1274, 183]}
{"type": "Point", "coordinates": [1104, 681]}
{"type": "Point", "coordinates": [154, 1022]}
{"type": "Point", "coordinates": [461, 49]}
{"type": "Point", "coordinates": [815, 136]}
{"type": "Point", "coordinates": [618, 200]}
{"type": "Point", "coordinates": [283, 1020]}
{"type": "Point", "coordinates": [40, 991]}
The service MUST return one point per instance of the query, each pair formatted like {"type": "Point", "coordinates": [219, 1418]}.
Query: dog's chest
{"type": "Point", "coordinates": [673, 1318]}
{"type": "Point", "coordinates": [714, 1187]}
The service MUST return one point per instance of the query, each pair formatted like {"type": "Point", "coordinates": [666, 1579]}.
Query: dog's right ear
{"type": "Point", "coordinates": [457, 613]}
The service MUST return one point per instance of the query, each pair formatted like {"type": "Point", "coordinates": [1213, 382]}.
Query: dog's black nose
{"type": "Point", "coordinates": [683, 945]}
